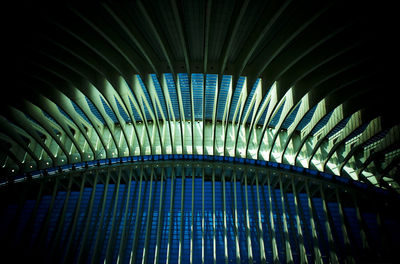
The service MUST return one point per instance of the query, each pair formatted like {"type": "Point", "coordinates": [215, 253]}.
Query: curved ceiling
{"type": "Point", "coordinates": [304, 83]}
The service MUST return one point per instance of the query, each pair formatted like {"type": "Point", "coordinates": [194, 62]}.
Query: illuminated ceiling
{"type": "Point", "coordinates": [299, 83]}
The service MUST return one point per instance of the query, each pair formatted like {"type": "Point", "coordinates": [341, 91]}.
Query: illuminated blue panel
{"type": "Point", "coordinates": [306, 119]}
{"type": "Point", "coordinates": [292, 116]}
{"type": "Point", "coordinates": [94, 111]}
{"type": "Point", "coordinates": [277, 209]}
{"type": "Point", "coordinates": [65, 114]}
{"type": "Point", "coordinates": [146, 94]}
{"type": "Point", "coordinates": [102, 225]}
{"type": "Point", "coordinates": [250, 115]}
{"type": "Point", "coordinates": [197, 87]}
{"type": "Point", "coordinates": [338, 127]}
{"type": "Point", "coordinates": [185, 93]}
{"type": "Point", "coordinates": [320, 224]}
{"type": "Point", "coordinates": [337, 227]}
{"type": "Point", "coordinates": [264, 114]}
{"type": "Point", "coordinates": [274, 121]}
{"type": "Point", "coordinates": [49, 117]}
{"type": "Point", "coordinates": [306, 225]}
{"type": "Point", "coordinates": [172, 94]}
{"type": "Point", "coordinates": [134, 111]}
{"type": "Point", "coordinates": [160, 94]}
{"type": "Point", "coordinates": [235, 97]}
{"type": "Point", "coordinates": [222, 96]}
{"type": "Point", "coordinates": [108, 110]}
{"type": "Point", "coordinates": [290, 209]}
{"type": "Point", "coordinates": [375, 138]}
{"type": "Point", "coordinates": [354, 228]}
{"type": "Point", "coordinates": [357, 131]}
{"type": "Point", "coordinates": [52, 120]}
{"type": "Point", "coordinates": [122, 112]}
{"type": "Point", "coordinates": [80, 112]}
{"type": "Point", "coordinates": [249, 99]}
{"type": "Point", "coordinates": [321, 123]}
{"type": "Point", "coordinates": [211, 86]}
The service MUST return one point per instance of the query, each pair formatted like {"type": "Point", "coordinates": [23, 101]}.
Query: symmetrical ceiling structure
{"type": "Point", "coordinates": [303, 83]}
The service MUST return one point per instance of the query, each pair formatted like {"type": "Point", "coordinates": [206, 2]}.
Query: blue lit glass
{"type": "Point", "coordinates": [235, 98]}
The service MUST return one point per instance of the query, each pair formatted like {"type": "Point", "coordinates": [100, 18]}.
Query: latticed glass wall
{"type": "Point", "coordinates": [194, 212]}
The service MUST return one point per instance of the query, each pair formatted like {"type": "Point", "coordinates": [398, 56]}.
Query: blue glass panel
{"type": "Point", "coordinates": [357, 132]}
{"type": "Point", "coordinates": [65, 114]}
{"type": "Point", "coordinates": [211, 86]}
{"type": "Point", "coordinates": [108, 110]}
{"type": "Point", "coordinates": [172, 94]}
{"type": "Point", "coordinates": [134, 111]}
{"type": "Point", "coordinates": [354, 228]}
{"type": "Point", "coordinates": [160, 94]}
{"type": "Point", "coordinates": [306, 119]}
{"type": "Point", "coordinates": [80, 112]}
{"type": "Point", "coordinates": [263, 115]}
{"type": "Point", "coordinates": [306, 225]}
{"type": "Point", "coordinates": [197, 87]}
{"type": "Point", "coordinates": [320, 225]}
{"type": "Point", "coordinates": [292, 116]}
{"type": "Point", "coordinates": [338, 127]}
{"type": "Point", "coordinates": [375, 138]}
{"type": "Point", "coordinates": [249, 99]}
{"type": "Point", "coordinates": [185, 93]}
{"type": "Point", "coordinates": [94, 110]}
{"type": "Point", "coordinates": [222, 96]}
{"type": "Point", "coordinates": [321, 123]}
{"type": "Point", "coordinates": [337, 228]}
{"type": "Point", "coordinates": [235, 98]}
{"type": "Point", "coordinates": [146, 94]}
{"type": "Point", "coordinates": [122, 112]}
{"type": "Point", "coordinates": [274, 121]}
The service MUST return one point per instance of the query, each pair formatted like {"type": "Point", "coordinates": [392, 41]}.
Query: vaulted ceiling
{"type": "Point", "coordinates": [305, 83]}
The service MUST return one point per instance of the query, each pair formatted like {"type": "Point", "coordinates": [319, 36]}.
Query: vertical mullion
{"type": "Point", "coordinates": [273, 230]}
{"type": "Point", "coordinates": [182, 211]}
{"type": "Point", "coordinates": [100, 215]}
{"type": "Point", "coordinates": [347, 244]}
{"type": "Point", "coordinates": [224, 216]}
{"type": "Point", "coordinates": [138, 218]}
{"type": "Point", "coordinates": [249, 247]}
{"type": "Point", "coordinates": [122, 241]}
{"type": "Point", "coordinates": [213, 201]}
{"type": "Point", "coordinates": [317, 251]}
{"type": "Point", "coordinates": [260, 229]}
{"type": "Point", "coordinates": [364, 241]}
{"type": "Point", "coordinates": [158, 239]}
{"type": "Point", "coordinates": [76, 215]}
{"type": "Point", "coordinates": [331, 243]}
{"type": "Point", "coordinates": [192, 219]}
{"type": "Point", "coordinates": [202, 217]}
{"type": "Point", "coordinates": [109, 243]}
{"type": "Point", "coordinates": [302, 249]}
{"type": "Point", "coordinates": [203, 114]}
{"type": "Point", "coordinates": [149, 212]}
{"type": "Point", "coordinates": [171, 212]}
{"type": "Point", "coordinates": [88, 216]}
{"type": "Point", "coordinates": [235, 219]}
{"type": "Point", "coordinates": [100, 227]}
{"type": "Point", "coordinates": [56, 237]}
{"type": "Point", "coordinates": [44, 229]}
{"type": "Point", "coordinates": [288, 250]}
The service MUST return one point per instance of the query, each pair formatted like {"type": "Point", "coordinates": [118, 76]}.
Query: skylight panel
{"type": "Point", "coordinates": [223, 95]}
